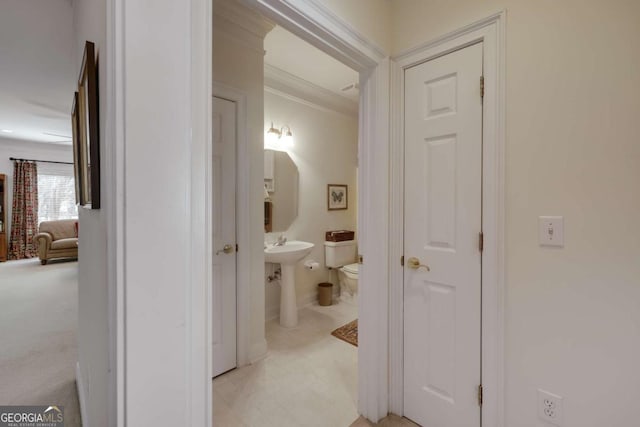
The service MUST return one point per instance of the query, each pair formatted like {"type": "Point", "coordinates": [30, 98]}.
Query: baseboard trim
{"type": "Point", "coordinates": [81, 396]}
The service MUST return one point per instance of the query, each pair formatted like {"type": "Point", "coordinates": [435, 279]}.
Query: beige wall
{"type": "Point", "coordinates": [371, 18]}
{"type": "Point", "coordinates": [572, 149]}
{"type": "Point", "coordinates": [93, 300]}
{"type": "Point", "coordinates": [325, 152]}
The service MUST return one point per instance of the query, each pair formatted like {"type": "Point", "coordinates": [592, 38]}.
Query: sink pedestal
{"type": "Point", "coordinates": [287, 255]}
{"type": "Point", "coordinates": [288, 305]}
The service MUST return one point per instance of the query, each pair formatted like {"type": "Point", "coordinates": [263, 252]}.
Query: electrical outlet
{"type": "Point", "coordinates": [550, 407]}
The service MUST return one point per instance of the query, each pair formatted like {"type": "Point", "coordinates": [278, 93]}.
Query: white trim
{"type": "Point", "coordinates": [491, 32]}
{"type": "Point", "coordinates": [282, 82]}
{"type": "Point", "coordinates": [114, 132]}
{"type": "Point", "coordinates": [198, 394]}
{"type": "Point", "coordinates": [237, 16]}
{"type": "Point", "coordinates": [244, 351]}
{"type": "Point", "coordinates": [198, 302]}
{"type": "Point", "coordinates": [82, 399]}
{"type": "Point", "coordinates": [315, 24]}
{"type": "Point", "coordinates": [373, 221]}
{"type": "Point", "coordinates": [228, 29]}
{"type": "Point", "coordinates": [396, 247]}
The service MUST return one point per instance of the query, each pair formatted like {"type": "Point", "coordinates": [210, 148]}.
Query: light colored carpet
{"type": "Point", "coordinates": [38, 324]}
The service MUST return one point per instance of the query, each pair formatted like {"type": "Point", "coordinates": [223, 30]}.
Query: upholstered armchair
{"type": "Point", "coordinates": [57, 239]}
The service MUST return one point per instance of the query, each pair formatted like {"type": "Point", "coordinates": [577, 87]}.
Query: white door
{"type": "Point", "coordinates": [224, 235]}
{"type": "Point", "coordinates": [443, 184]}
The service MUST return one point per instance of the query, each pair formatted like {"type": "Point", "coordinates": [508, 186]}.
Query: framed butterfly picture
{"type": "Point", "coordinates": [337, 197]}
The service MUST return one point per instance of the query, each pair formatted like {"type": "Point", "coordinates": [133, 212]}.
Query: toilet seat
{"type": "Point", "coordinates": [351, 268]}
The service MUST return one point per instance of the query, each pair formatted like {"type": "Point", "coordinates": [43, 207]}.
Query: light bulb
{"type": "Point", "coordinates": [271, 139]}
{"type": "Point", "coordinates": [287, 139]}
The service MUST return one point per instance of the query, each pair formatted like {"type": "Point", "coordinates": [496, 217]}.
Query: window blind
{"type": "Point", "coordinates": [56, 192]}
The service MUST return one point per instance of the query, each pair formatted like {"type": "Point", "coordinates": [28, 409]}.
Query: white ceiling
{"type": "Point", "coordinates": [37, 70]}
{"type": "Point", "coordinates": [295, 56]}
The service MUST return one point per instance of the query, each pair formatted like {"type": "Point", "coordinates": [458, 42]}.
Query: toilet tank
{"type": "Point", "coordinates": [337, 254]}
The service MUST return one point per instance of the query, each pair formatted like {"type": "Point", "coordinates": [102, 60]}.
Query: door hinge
{"type": "Point", "coordinates": [360, 259]}
{"type": "Point", "coordinates": [480, 395]}
{"type": "Point", "coordinates": [481, 241]}
{"type": "Point", "coordinates": [402, 260]}
{"type": "Point", "coordinates": [237, 248]}
{"type": "Point", "coordinates": [482, 87]}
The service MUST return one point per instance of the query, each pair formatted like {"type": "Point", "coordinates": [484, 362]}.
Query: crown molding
{"type": "Point", "coordinates": [281, 82]}
{"type": "Point", "coordinates": [324, 30]}
{"type": "Point", "coordinates": [238, 16]}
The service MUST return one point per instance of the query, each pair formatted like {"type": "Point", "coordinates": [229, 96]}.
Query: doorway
{"type": "Point", "coordinates": [373, 146]}
{"type": "Point", "coordinates": [485, 397]}
{"type": "Point", "coordinates": [443, 225]}
{"type": "Point", "coordinates": [224, 235]}
{"type": "Point", "coordinates": [300, 170]}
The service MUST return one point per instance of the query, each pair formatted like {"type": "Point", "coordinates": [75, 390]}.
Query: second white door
{"type": "Point", "coordinates": [443, 206]}
{"type": "Point", "coordinates": [224, 235]}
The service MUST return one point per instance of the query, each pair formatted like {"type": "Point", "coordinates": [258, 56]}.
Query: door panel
{"type": "Point", "coordinates": [224, 233]}
{"type": "Point", "coordinates": [443, 196]}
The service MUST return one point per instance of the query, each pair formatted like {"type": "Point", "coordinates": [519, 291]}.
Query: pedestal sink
{"type": "Point", "coordinates": [287, 256]}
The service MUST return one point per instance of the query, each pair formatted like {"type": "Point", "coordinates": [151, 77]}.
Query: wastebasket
{"type": "Point", "coordinates": [325, 292]}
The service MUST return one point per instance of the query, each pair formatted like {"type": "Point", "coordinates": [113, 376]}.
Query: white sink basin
{"type": "Point", "coordinates": [289, 253]}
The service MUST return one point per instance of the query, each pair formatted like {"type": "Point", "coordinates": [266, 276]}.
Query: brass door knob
{"type": "Point", "coordinates": [227, 249]}
{"type": "Point", "coordinates": [414, 264]}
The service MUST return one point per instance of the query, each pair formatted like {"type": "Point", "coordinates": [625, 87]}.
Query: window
{"type": "Point", "coordinates": [56, 192]}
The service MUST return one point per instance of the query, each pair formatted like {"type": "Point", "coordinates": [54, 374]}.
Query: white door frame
{"type": "Point", "coordinates": [198, 368]}
{"type": "Point", "coordinates": [317, 25]}
{"type": "Point", "coordinates": [243, 239]}
{"type": "Point", "coordinates": [491, 32]}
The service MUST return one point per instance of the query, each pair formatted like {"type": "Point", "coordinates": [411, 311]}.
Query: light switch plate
{"type": "Point", "coordinates": [551, 231]}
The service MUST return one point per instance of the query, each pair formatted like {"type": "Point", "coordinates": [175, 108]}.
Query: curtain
{"type": "Point", "coordinates": [24, 214]}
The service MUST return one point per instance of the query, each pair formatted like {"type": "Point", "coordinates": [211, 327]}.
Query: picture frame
{"type": "Point", "coordinates": [75, 133]}
{"type": "Point", "coordinates": [337, 197]}
{"type": "Point", "coordinates": [89, 132]}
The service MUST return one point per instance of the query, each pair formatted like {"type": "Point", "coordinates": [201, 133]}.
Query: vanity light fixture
{"type": "Point", "coordinates": [278, 139]}
{"type": "Point", "coordinates": [287, 137]}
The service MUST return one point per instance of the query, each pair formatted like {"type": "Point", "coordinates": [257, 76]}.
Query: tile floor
{"type": "Point", "coordinates": [308, 378]}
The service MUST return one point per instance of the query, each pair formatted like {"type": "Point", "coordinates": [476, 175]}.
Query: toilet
{"type": "Point", "coordinates": [342, 256]}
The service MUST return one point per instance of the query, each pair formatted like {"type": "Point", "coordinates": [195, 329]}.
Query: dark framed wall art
{"type": "Point", "coordinates": [337, 197]}
{"type": "Point", "coordinates": [75, 132]}
{"type": "Point", "coordinates": [89, 130]}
